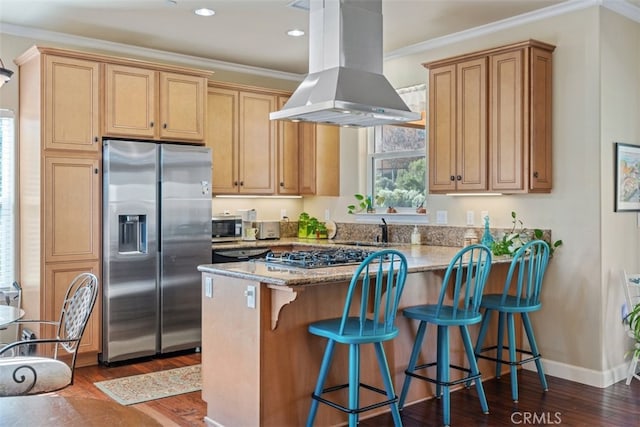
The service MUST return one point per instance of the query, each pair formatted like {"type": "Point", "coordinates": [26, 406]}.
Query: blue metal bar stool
{"type": "Point", "coordinates": [373, 296]}
{"type": "Point", "coordinates": [521, 295]}
{"type": "Point", "coordinates": [463, 282]}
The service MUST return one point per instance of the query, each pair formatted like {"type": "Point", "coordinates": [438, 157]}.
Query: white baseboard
{"type": "Point", "coordinates": [581, 375]}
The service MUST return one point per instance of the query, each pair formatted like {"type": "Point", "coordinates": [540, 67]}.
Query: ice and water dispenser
{"type": "Point", "coordinates": [132, 234]}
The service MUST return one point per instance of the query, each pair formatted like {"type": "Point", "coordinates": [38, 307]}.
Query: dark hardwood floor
{"type": "Point", "coordinates": [566, 403]}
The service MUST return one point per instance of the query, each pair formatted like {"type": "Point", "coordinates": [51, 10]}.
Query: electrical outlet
{"type": "Point", "coordinates": [441, 217]}
{"type": "Point", "coordinates": [250, 293]}
{"type": "Point", "coordinates": [470, 218]}
{"type": "Point", "coordinates": [208, 287]}
{"type": "Point", "coordinates": [327, 215]}
{"type": "Point", "coordinates": [283, 213]}
{"type": "Point", "coordinates": [483, 215]}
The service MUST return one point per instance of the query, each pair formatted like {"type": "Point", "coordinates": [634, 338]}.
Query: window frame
{"type": "Point", "coordinates": [374, 135]}
{"type": "Point", "coordinates": [8, 198]}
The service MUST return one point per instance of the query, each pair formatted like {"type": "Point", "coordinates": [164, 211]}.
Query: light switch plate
{"type": "Point", "coordinates": [441, 217]}
{"type": "Point", "coordinates": [208, 287]}
{"type": "Point", "coordinates": [470, 218]}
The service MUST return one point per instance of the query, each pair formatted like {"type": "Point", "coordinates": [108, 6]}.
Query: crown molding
{"type": "Point", "coordinates": [622, 7]}
{"type": "Point", "coordinates": [152, 54]}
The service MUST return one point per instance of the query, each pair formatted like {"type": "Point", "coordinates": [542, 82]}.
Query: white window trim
{"type": "Point", "coordinates": [9, 199]}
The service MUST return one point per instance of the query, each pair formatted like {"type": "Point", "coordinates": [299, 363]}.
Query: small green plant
{"type": "Point", "coordinates": [518, 236]}
{"type": "Point", "coordinates": [364, 203]}
{"type": "Point", "coordinates": [633, 320]}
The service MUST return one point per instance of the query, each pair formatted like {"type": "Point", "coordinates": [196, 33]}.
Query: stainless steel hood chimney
{"type": "Point", "coordinates": [345, 85]}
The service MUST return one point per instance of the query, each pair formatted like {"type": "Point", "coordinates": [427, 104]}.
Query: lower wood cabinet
{"type": "Point", "coordinates": [57, 277]}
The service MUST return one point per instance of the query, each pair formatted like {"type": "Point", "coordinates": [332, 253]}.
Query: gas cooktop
{"type": "Point", "coordinates": [319, 258]}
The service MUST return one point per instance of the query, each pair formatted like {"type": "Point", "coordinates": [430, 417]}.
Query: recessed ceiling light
{"type": "Point", "coordinates": [204, 12]}
{"type": "Point", "coordinates": [295, 33]}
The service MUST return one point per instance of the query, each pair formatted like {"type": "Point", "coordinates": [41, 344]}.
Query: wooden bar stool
{"type": "Point", "coordinates": [520, 295]}
{"type": "Point", "coordinates": [463, 282]}
{"type": "Point", "coordinates": [373, 296]}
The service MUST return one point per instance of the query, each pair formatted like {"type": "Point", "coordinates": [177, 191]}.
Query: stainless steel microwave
{"type": "Point", "coordinates": [226, 228]}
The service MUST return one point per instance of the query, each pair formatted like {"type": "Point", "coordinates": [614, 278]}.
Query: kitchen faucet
{"type": "Point", "coordinates": [385, 231]}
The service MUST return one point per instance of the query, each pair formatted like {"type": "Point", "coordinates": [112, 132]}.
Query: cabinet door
{"type": "Point", "coordinates": [71, 106]}
{"type": "Point", "coordinates": [442, 129]}
{"type": "Point", "coordinates": [540, 177]}
{"type": "Point", "coordinates": [57, 277]}
{"type": "Point", "coordinates": [182, 107]}
{"type": "Point", "coordinates": [71, 209]}
{"type": "Point", "coordinates": [319, 159]}
{"type": "Point", "coordinates": [130, 101]}
{"type": "Point", "coordinates": [222, 138]}
{"type": "Point", "coordinates": [257, 144]}
{"type": "Point", "coordinates": [471, 132]}
{"type": "Point", "coordinates": [307, 164]}
{"type": "Point", "coordinates": [508, 154]}
{"type": "Point", "coordinates": [327, 160]}
{"type": "Point", "coordinates": [288, 151]}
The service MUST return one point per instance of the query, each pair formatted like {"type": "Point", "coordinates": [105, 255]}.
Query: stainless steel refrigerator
{"type": "Point", "coordinates": [157, 230]}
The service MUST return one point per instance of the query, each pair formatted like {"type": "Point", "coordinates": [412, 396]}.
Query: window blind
{"type": "Point", "coordinates": [7, 198]}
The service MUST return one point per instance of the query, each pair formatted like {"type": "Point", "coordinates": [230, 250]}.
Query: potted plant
{"type": "Point", "coordinates": [633, 320]}
{"type": "Point", "coordinates": [512, 241]}
{"type": "Point", "coordinates": [364, 203]}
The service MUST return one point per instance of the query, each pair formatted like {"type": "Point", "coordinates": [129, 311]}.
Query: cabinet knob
{"type": "Point", "coordinates": [459, 177]}
{"type": "Point", "coordinates": [282, 184]}
{"type": "Point", "coordinates": [535, 174]}
{"type": "Point", "coordinates": [164, 126]}
{"type": "Point", "coordinates": [235, 183]}
{"type": "Point", "coordinates": [95, 139]}
{"type": "Point", "coordinates": [151, 124]}
{"type": "Point", "coordinates": [452, 178]}
{"type": "Point", "coordinates": [96, 171]}
{"type": "Point", "coordinates": [241, 183]}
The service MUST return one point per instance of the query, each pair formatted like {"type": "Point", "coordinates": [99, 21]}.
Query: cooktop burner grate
{"type": "Point", "coordinates": [319, 258]}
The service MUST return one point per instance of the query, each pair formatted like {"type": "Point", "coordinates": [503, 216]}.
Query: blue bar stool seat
{"type": "Point", "coordinates": [368, 317]}
{"type": "Point", "coordinates": [463, 282]}
{"type": "Point", "coordinates": [521, 295]}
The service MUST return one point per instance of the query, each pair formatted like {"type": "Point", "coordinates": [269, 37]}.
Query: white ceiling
{"type": "Point", "coordinates": [247, 32]}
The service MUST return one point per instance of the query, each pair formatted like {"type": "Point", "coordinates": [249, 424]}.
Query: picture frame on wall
{"type": "Point", "coordinates": [627, 176]}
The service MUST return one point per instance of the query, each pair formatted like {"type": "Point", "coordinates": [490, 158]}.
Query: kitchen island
{"type": "Point", "coordinates": [260, 363]}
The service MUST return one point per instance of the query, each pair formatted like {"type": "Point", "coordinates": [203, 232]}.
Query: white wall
{"type": "Point", "coordinates": [620, 103]}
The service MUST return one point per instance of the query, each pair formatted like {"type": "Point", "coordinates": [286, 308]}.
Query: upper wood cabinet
{"type": "Point", "coordinates": [243, 140]}
{"type": "Point", "coordinates": [70, 103]}
{"type": "Point", "coordinates": [458, 127]}
{"type": "Point", "coordinates": [258, 156]}
{"type": "Point", "coordinates": [146, 103]}
{"type": "Point", "coordinates": [490, 120]}
{"type": "Point", "coordinates": [319, 163]}
{"type": "Point", "coordinates": [288, 154]}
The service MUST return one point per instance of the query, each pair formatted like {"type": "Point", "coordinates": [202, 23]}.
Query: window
{"type": "Point", "coordinates": [398, 165]}
{"type": "Point", "coordinates": [7, 198]}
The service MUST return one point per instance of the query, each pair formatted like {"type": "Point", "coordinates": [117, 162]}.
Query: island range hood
{"type": "Point", "coordinates": [345, 85]}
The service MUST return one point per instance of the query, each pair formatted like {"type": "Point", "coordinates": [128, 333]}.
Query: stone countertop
{"type": "Point", "coordinates": [420, 258]}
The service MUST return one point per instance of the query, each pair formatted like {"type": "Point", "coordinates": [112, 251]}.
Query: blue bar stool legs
{"type": "Point", "coordinates": [463, 284]}
{"type": "Point", "coordinates": [520, 295]}
{"type": "Point", "coordinates": [534, 349]}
